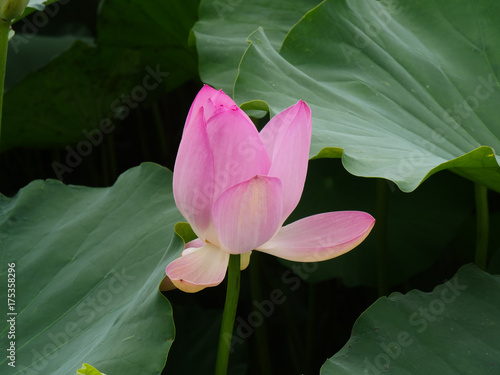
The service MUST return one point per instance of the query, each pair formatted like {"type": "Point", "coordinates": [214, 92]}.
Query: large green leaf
{"type": "Point", "coordinates": [452, 330]}
{"type": "Point", "coordinates": [223, 27]}
{"type": "Point", "coordinates": [88, 263]}
{"type": "Point", "coordinates": [403, 89]}
{"type": "Point", "coordinates": [158, 29]}
{"type": "Point", "coordinates": [77, 91]}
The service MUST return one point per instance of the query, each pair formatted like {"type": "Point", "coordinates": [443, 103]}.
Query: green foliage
{"type": "Point", "coordinates": [398, 89]}
{"type": "Point", "coordinates": [132, 62]}
{"type": "Point", "coordinates": [88, 263]}
{"type": "Point", "coordinates": [452, 330]}
{"type": "Point", "coordinates": [223, 27]}
{"type": "Point", "coordinates": [184, 231]}
{"type": "Point", "coordinates": [72, 94]}
{"type": "Point", "coordinates": [157, 29]}
{"type": "Point", "coordinates": [400, 102]}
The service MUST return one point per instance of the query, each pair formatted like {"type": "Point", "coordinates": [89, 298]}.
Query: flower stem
{"type": "Point", "coordinates": [228, 316]}
{"type": "Point", "coordinates": [481, 193]}
{"type": "Point", "coordinates": [4, 44]}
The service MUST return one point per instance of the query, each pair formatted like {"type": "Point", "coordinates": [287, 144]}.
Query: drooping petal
{"type": "Point", "coordinates": [320, 237]}
{"type": "Point", "coordinates": [237, 148]}
{"type": "Point", "coordinates": [287, 139]}
{"type": "Point", "coordinates": [193, 178]}
{"type": "Point", "coordinates": [248, 214]}
{"type": "Point", "coordinates": [204, 267]}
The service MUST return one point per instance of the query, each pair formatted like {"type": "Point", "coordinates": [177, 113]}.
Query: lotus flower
{"type": "Point", "coordinates": [236, 187]}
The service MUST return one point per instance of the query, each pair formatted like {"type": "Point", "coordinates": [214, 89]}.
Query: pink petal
{"type": "Point", "coordinates": [320, 237]}
{"type": "Point", "coordinates": [193, 176]}
{"type": "Point", "coordinates": [248, 214]}
{"type": "Point", "coordinates": [199, 101]}
{"type": "Point", "coordinates": [217, 103]}
{"type": "Point", "coordinates": [195, 243]}
{"type": "Point", "coordinates": [192, 246]}
{"type": "Point", "coordinates": [287, 139]}
{"type": "Point", "coordinates": [204, 267]}
{"type": "Point", "coordinates": [238, 152]}
{"type": "Point", "coordinates": [205, 95]}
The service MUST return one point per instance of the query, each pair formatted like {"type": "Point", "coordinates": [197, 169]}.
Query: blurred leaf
{"type": "Point", "coordinates": [420, 225]}
{"type": "Point", "coordinates": [224, 25]}
{"type": "Point", "coordinates": [158, 29]}
{"type": "Point", "coordinates": [88, 263]}
{"type": "Point", "coordinates": [405, 89]}
{"type": "Point", "coordinates": [74, 92]}
{"type": "Point", "coordinates": [36, 5]}
{"type": "Point", "coordinates": [27, 56]}
{"type": "Point", "coordinates": [39, 4]}
{"type": "Point", "coordinates": [453, 330]}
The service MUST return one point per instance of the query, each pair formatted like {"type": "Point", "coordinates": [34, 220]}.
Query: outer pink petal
{"type": "Point", "coordinates": [320, 237]}
{"type": "Point", "coordinates": [194, 176]}
{"type": "Point", "coordinates": [204, 267]}
{"type": "Point", "coordinates": [287, 138]}
{"type": "Point", "coordinates": [237, 149]}
{"type": "Point", "coordinates": [195, 243]}
{"type": "Point", "coordinates": [199, 101]}
{"type": "Point", "coordinates": [217, 103]}
{"type": "Point", "coordinates": [248, 214]}
{"type": "Point", "coordinates": [205, 95]}
{"type": "Point", "coordinates": [211, 100]}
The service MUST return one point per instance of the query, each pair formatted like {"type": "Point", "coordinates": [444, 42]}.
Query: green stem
{"type": "Point", "coordinates": [4, 44]}
{"type": "Point", "coordinates": [481, 193]}
{"type": "Point", "coordinates": [383, 287]}
{"type": "Point", "coordinates": [228, 316]}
